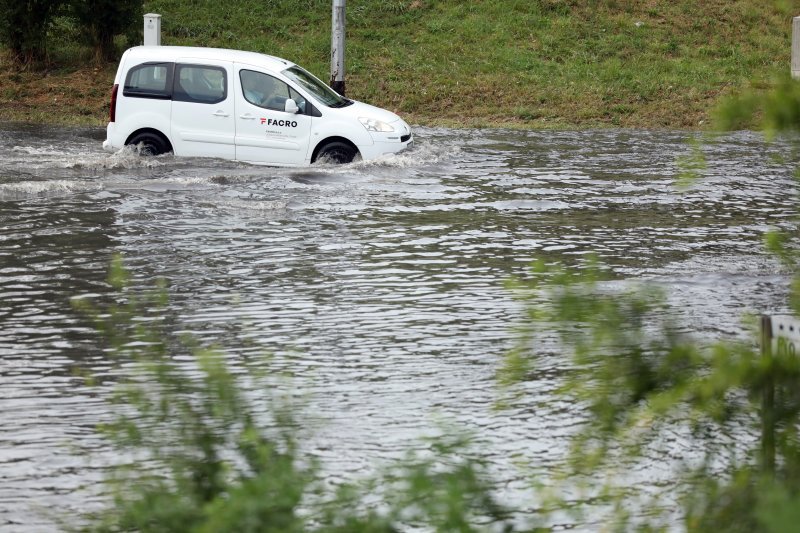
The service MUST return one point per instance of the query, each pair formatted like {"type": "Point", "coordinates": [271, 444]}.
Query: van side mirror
{"type": "Point", "coordinates": [291, 107]}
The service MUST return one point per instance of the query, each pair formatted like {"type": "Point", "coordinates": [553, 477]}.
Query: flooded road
{"type": "Point", "coordinates": [379, 286]}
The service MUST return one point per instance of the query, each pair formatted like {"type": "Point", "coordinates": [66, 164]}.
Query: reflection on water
{"type": "Point", "coordinates": [379, 285]}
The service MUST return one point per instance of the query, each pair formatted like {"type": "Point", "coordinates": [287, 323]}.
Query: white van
{"type": "Point", "coordinates": [210, 102]}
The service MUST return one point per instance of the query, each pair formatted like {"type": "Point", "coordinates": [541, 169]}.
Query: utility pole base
{"type": "Point", "coordinates": [338, 86]}
{"type": "Point", "coordinates": [337, 46]}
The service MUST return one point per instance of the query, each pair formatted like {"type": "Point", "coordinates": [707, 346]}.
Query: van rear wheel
{"type": "Point", "coordinates": [149, 144]}
{"type": "Point", "coordinates": [336, 152]}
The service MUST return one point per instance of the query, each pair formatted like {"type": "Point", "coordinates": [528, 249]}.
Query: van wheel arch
{"type": "Point", "coordinates": [340, 149]}
{"type": "Point", "coordinates": [154, 142]}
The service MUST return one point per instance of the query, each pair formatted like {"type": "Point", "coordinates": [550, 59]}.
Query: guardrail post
{"type": "Point", "coordinates": [767, 401]}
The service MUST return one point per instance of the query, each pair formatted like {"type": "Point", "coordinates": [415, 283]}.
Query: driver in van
{"type": "Point", "coordinates": [255, 92]}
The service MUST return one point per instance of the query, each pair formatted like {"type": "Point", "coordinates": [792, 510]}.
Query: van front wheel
{"type": "Point", "coordinates": [336, 152]}
{"type": "Point", "coordinates": [149, 144]}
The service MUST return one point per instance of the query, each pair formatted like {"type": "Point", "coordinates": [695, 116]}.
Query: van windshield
{"type": "Point", "coordinates": [322, 92]}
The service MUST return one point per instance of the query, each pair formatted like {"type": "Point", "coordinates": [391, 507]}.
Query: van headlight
{"type": "Point", "coordinates": [376, 125]}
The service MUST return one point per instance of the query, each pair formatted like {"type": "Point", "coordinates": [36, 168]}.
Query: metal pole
{"type": "Point", "coordinates": [796, 47]}
{"type": "Point", "coordinates": [337, 47]}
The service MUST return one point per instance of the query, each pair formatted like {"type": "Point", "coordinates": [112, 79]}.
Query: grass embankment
{"type": "Point", "coordinates": [523, 63]}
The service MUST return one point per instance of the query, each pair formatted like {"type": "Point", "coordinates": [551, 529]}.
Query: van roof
{"type": "Point", "coordinates": [174, 53]}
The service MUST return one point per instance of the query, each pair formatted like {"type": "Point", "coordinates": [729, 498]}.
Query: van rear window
{"type": "Point", "coordinates": [149, 80]}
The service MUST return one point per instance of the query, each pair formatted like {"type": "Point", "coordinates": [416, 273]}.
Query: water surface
{"type": "Point", "coordinates": [379, 285]}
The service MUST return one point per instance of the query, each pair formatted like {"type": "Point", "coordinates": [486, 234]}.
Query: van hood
{"type": "Point", "coordinates": [360, 109]}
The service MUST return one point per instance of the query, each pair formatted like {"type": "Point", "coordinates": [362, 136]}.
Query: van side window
{"type": "Point", "coordinates": [268, 92]}
{"type": "Point", "coordinates": [149, 80]}
{"type": "Point", "coordinates": [200, 83]}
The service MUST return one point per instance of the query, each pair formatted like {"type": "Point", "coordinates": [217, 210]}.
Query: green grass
{"type": "Point", "coordinates": [528, 63]}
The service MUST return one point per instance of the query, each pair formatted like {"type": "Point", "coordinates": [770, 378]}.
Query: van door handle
{"type": "Point", "coordinates": [247, 116]}
{"type": "Point", "coordinates": [221, 113]}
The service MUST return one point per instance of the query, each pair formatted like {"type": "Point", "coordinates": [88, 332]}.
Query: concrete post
{"type": "Point", "coordinates": [796, 47]}
{"type": "Point", "coordinates": [152, 29]}
{"type": "Point", "coordinates": [337, 47]}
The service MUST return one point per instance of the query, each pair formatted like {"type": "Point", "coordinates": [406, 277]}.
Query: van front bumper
{"type": "Point", "coordinates": [378, 149]}
{"type": "Point", "coordinates": [388, 143]}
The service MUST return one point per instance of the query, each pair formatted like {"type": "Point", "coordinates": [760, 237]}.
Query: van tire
{"type": "Point", "coordinates": [148, 144]}
{"type": "Point", "coordinates": [337, 152]}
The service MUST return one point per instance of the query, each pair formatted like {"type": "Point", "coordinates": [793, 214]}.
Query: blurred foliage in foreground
{"type": "Point", "coordinates": [650, 392]}
{"type": "Point", "coordinates": [213, 447]}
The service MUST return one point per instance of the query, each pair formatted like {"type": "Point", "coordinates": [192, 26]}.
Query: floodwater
{"type": "Point", "coordinates": [379, 285]}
